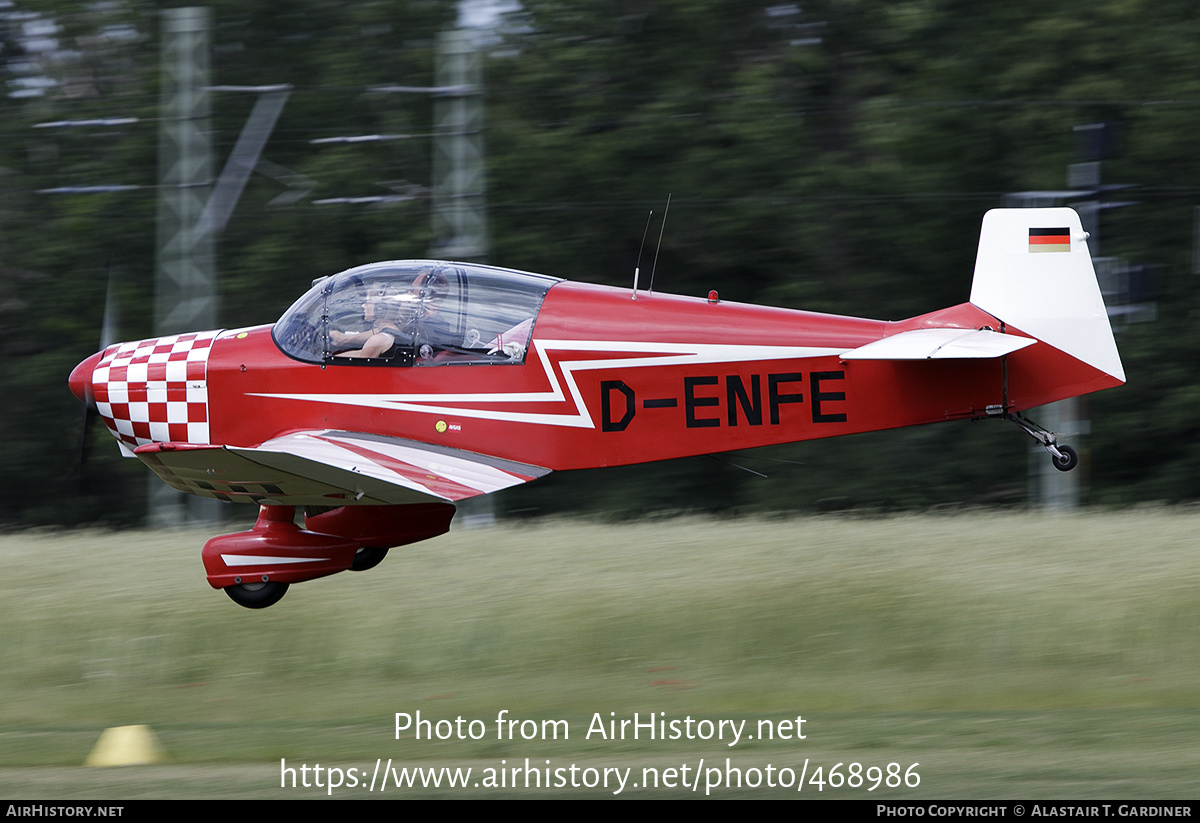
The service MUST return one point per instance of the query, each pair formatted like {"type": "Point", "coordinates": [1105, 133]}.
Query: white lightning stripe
{"type": "Point", "coordinates": [264, 560]}
{"type": "Point", "coordinates": [651, 354]}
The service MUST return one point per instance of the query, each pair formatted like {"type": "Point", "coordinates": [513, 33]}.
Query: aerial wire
{"type": "Point", "coordinates": [658, 248]}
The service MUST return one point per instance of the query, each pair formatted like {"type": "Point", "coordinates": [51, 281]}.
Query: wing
{"type": "Point", "coordinates": [332, 468]}
{"type": "Point", "coordinates": [940, 344]}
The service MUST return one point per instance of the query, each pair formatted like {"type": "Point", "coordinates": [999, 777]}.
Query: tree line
{"type": "Point", "coordinates": [836, 156]}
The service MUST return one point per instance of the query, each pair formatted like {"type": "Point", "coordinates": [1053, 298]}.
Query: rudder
{"type": "Point", "coordinates": [1034, 272]}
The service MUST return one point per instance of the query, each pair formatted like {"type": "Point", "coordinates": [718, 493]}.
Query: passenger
{"type": "Point", "coordinates": [434, 331]}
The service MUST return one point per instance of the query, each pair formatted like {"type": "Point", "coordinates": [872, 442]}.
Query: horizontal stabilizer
{"type": "Point", "coordinates": [940, 344]}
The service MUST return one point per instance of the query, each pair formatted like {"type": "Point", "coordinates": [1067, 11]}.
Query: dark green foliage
{"type": "Point", "coordinates": [837, 157]}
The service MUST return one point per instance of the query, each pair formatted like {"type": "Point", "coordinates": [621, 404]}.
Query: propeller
{"type": "Point", "coordinates": [81, 379]}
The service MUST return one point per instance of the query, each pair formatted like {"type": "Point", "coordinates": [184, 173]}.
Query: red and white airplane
{"type": "Point", "coordinates": [391, 391]}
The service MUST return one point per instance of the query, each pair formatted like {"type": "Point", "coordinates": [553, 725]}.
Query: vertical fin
{"type": "Point", "coordinates": [1034, 272]}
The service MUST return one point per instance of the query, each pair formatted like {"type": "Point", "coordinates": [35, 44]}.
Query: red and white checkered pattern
{"type": "Point", "coordinates": [155, 391]}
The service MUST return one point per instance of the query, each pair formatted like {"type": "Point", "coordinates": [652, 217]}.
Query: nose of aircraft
{"type": "Point", "coordinates": [80, 380]}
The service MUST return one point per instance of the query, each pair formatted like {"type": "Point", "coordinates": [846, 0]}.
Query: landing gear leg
{"type": "Point", "coordinates": [1064, 457]}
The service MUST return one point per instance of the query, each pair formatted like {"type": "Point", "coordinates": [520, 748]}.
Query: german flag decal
{"type": "Point", "coordinates": [1049, 240]}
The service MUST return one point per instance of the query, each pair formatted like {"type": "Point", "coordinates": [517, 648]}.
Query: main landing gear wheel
{"type": "Point", "coordinates": [367, 557]}
{"type": "Point", "coordinates": [256, 595]}
{"type": "Point", "coordinates": [1069, 459]}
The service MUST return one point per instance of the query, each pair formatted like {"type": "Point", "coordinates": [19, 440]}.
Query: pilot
{"type": "Point", "coordinates": [399, 319]}
{"type": "Point", "coordinates": [384, 313]}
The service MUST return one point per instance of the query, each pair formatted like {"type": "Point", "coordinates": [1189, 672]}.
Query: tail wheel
{"type": "Point", "coordinates": [257, 595]}
{"type": "Point", "coordinates": [1068, 461]}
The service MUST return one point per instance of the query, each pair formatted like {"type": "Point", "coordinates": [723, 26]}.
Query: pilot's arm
{"type": "Point", "coordinates": [342, 338]}
{"type": "Point", "coordinates": [376, 344]}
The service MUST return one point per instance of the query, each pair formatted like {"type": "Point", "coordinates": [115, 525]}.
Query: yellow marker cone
{"type": "Point", "coordinates": [125, 746]}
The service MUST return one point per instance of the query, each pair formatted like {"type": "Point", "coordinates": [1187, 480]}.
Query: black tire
{"type": "Point", "coordinates": [1068, 461]}
{"type": "Point", "coordinates": [257, 595]}
{"type": "Point", "coordinates": [367, 557]}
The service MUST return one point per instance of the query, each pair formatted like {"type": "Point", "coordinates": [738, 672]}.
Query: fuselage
{"type": "Point", "coordinates": [603, 380]}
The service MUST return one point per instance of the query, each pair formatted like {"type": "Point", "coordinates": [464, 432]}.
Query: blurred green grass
{"type": "Point", "coordinates": [965, 638]}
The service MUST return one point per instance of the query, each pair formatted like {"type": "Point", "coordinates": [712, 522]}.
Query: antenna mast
{"type": "Point", "coordinates": [661, 229]}
{"type": "Point", "coordinates": [637, 267]}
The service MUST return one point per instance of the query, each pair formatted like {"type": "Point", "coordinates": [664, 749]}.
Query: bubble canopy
{"type": "Point", "coordinates": [414, 313]}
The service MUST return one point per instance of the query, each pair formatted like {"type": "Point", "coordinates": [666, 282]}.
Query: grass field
{"type": "Point", "coordinates": [1039, 655]}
